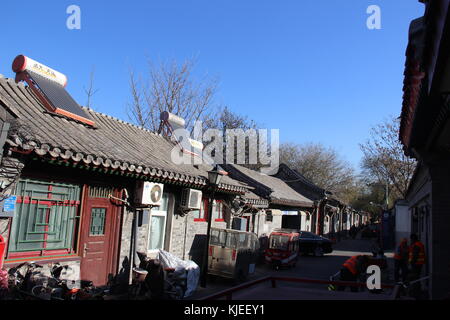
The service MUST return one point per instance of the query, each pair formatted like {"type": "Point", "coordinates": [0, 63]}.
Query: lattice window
{"type": "Point", "coordinates": [98, 219]}
{"type": "Point", "coordinates": [44, 222]}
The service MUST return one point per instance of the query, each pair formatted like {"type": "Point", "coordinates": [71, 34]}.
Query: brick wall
{"type": "Point", "coordinates": [125, 240]}
{"type": "Point", "coordinates": [184, 236]}
{"type": "Point", "coordinates": [188, 236]}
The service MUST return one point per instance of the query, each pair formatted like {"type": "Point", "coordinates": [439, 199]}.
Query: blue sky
{"type": "Point", "coordinates": [310, 68]}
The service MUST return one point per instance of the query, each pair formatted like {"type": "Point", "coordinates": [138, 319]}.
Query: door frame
{"type": "Point", "coordinates": [112, 264]}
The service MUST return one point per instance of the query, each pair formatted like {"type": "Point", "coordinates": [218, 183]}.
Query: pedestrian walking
{"type": "Point", "coordinates": [352, 269]}
{"type": "Point", "coordinates": [401, 257]}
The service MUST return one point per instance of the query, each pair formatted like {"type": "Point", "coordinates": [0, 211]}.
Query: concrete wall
{"type": "Point", "coordinates": [264, 228]}
{"type": "Point", "coordinates": [305, 223]}
{"type": "Point", "coordinates": [402, 222]}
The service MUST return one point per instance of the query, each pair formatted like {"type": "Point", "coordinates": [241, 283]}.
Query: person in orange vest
{"type": "Point", "coordinates": [352, 269]}
{"type": "Point", "coordinates": [416, 261]}
{"type": "Point", "coordinates": [401, 257]}
{"type": "Point", "coordinates": [416, 256]}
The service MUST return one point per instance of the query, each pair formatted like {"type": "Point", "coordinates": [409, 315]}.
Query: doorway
{"type": "Point", "coordinates": [99, 236]}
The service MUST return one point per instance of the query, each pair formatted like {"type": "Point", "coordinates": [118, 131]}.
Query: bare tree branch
{"type": "Point", "coordinates": [90, 91]}
{"type": "Point", "coordinates": [384, 160]}
{"type": "Point", "coordinates": [171, 86]}
{"type": "Point", "coordinates": [323, 166]}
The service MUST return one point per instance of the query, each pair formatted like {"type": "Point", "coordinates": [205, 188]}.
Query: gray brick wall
{"type": "Point", "coordinates": [188, 237]}
{"type": "Point", "coordinates": [125, 237]}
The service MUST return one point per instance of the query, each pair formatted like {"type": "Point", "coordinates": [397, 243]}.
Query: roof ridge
{"type": "Point", "coordinates": [121, 121]}
{"type": "Point", "coordinates": [301, 176]}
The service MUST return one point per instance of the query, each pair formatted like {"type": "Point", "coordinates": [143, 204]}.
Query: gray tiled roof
{"type": "Point", "coordinates": [299, 183]}
{"type": "Point", "coordinates": [253, 199]}
{"type": "Point", "coordinates": [269, 187]}
{"type": "Point", "coordinates": [112, 144]}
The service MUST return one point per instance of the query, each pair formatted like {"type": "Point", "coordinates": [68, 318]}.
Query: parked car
{"type": "Point", "coordinates": [370, 231]}
{"type": "Point", "coordinates": [311, 243]}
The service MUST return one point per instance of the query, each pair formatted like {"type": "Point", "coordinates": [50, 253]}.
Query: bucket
{"type": "Point", "coordinates": [139, 274]}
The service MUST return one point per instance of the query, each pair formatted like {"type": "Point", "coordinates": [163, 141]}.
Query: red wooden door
{"type": "Point", "coordinates": [98, 244]}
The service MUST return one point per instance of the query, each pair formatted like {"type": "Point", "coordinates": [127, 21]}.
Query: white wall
{"type": "Point", "coordinates": [305, 224]}
{"type": "Point", "coordinates": [263, 227]}
{"type": "Point", "coordinates": [402, 222]}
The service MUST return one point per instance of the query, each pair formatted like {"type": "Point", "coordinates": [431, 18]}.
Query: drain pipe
{"type": "Point", "coordinates": [185, 235]}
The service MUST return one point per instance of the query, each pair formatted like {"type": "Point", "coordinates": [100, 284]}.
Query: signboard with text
{"type": "Point", "coordinates": [8, 207]}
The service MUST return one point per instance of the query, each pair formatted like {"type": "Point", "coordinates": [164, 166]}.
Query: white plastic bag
{"type": "Point", "coordinates": [169, 260]}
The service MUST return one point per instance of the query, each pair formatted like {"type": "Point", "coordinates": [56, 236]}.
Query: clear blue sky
{"type": "Point", "coordinates": [308, 67]}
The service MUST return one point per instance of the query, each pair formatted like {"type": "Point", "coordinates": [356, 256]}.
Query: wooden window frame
{"type": "Point", "coordinates": [204, 214]}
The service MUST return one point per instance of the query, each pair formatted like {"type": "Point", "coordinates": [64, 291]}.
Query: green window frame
{"type": "Point", "coordinates": [44, 223]}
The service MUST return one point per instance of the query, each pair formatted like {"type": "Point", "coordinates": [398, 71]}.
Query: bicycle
{"type": "Point", "coordinates": [408, 290]}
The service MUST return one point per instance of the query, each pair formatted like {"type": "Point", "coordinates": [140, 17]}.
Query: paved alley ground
{"type": "Point", "coordinates": [307, 267]}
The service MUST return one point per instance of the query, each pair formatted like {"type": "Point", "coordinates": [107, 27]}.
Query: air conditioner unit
{"type": "Point", "coordinates": [149, 193]}
{"type": "Point", "coordinates": [191, 199]}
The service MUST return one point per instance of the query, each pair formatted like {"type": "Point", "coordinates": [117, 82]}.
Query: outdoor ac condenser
{"type": "Point", "coordinates": [149, 193]}
{"type": "Point", "coordinates": [191, 199]}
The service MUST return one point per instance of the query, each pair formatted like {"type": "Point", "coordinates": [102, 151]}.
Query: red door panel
{"type": "Point", "coordinates": [98, 242]}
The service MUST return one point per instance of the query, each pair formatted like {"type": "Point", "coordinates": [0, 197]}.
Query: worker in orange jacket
{"type": "Point", "coordinates": [401, 257]}
{"type": "Point", "coordinates": [352, 269]}
{"type": "Point", "coordinates": [416, 255]}
{"type": "Point", "coordinates": [416, 261]}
